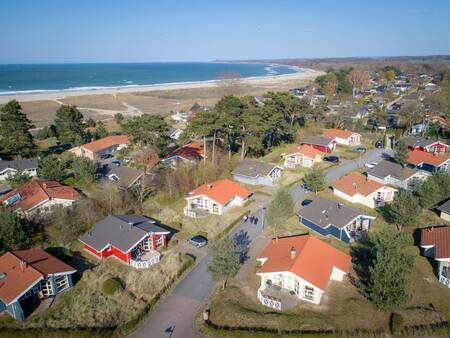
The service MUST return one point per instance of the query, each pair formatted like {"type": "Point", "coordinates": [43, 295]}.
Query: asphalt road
{"type": "Point", "coordinates": [175, 316]}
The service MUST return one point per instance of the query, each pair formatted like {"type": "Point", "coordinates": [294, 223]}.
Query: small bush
{"type": "Point", "coordinates": [111, 285]}
{"type": "Point", "coordinates": [397, 322]}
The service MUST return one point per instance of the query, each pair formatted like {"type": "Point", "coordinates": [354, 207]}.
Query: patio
{"type": "Point", "coordinates": [143, 261]}
{"type": "Point", "coordinates": [274, 294]}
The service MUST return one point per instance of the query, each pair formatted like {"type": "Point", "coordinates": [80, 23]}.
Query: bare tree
{"type": "Point", "coordinates": [358, 78]}
{"type": "Point", "coordinates": [148, 158]}
{"type": "Point", "coordinates": [229, 83]}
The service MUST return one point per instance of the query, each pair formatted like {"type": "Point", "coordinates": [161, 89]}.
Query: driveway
{"type": "Point", "coordinates": [175, 316]}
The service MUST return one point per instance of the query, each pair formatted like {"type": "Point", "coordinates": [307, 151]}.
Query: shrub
{"type": "Point", "coordinates": [397, 322]}
{"type": "Point", "coordinates": [111, 286]}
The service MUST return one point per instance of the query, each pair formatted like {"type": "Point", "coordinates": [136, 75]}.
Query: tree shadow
{"type": "Point", "coordinates": [242, 241]}
{"type": "Point", "coordinates": [362, 258]}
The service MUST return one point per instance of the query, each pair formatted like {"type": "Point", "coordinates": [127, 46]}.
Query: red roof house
{"type": "Point", "coordinates": [304, 155]}
{"type": "Point", "coordinates": [30, 273]}
{"type": "Point", "coordinates": [428, 161]}
{"type": "Point", "coordinates": [345, 137]}
{"type": "Point", "coordinates": [302, 264]}
{"type": "Point", "coordinates": [36, 195]}
{"type": "Point", "coordinates": [435, 242]}
{"type": "Point", "coordinates": [427, 145]}
{"type": "Point", "coordinates": [191, 152]}
{"type": "Point", "coordinates": [107, 145]}
{"type": "Point", "coordinates": [216, 197]}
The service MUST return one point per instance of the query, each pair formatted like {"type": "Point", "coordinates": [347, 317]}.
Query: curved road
{"type": "Point", "coordinates": [176, 314]}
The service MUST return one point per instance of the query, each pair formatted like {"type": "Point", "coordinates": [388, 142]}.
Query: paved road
{"type": "Point", "coordinates": [178, 310]}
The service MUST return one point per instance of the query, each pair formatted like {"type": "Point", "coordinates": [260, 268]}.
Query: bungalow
{"type": "Point", "coordinates": [426, 145]}
{"type": "Point", "coordinates": [324, 144]}
{"type": "Point", "coordinates": [26, 276]}
{"type": "Point", "coordinates": [215, 198]}
{"type": "Point", "coordinates": [345, 137]}
{"type": "Point", "coordinates": [107, 145]}
{"type": "Point", "coordinates": [416, 129]}
{"type": "Point", "coordinates": [435, 243]}
{"type": "Point", "coordinates": [444, 211]}
{"type": "Point", "coordinates": [302, 156]}
{"type": "Point", "coordinates": [133, 239]}
{"type": "Point", "coordinates": [256, 173]}
{"type": "Point", "coordinates": [387, 172]}
{"type": "Point", "coordinates": [175, 134]}
{"type": "Point", "coordinates": [123, 176]}
{"type": "Point", "coordinates": [428, 161]}
{"type": "Point", "coordinates": [27, 166]}
{"type": "Point", "coordinates": [189, 153]}
{"type": "Point", "coordinates": [336, 219]}
{"type": "Point", "coordinates": [357, 188]}
{"type": "Point", "coordinates": [300, 267]}
{"type": "Point", "coordinates": [39, 196]}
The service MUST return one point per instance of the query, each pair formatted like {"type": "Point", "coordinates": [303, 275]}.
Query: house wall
{"type": "Point", "coordinates": [48, 205]}
{"type": "Point", "coordinates": [337, 275]}
{"type": "Point", "coordinates": [301, 160]}
{"type": "Point", "coordinates": [287, 280]}
{"type": "Point", "coordinates": [10, 172]}
{"type": "Point", "coordinates": [445, 216]}
{"type": "Point", "coordinates": [353, 140]}
{"type": "Point", "coordinates": [368, 201]}
{"type": "Point", "coordinates": [324, 149]}
{"type": "Point", "coordinates": [329, 231]}
{"type": "Point", "coordinates": [209, 207]}
{"type": "Point", "coordinates": [259, 180]}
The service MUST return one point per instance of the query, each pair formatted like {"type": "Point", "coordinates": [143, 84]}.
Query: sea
{"type": "Point", "coordinates": [41, 78]}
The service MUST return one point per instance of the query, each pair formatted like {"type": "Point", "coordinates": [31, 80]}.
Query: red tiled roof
{"type": "Point", "coordinates": [418, 157]}
{"type": "Point", "coordinates": [439, 238]}
{"type": "Point", "coordinates": [333, 133]}
{"type": "Point", "coordinates": [354, 183]}
{"type": "Point", "coordinates": [304, 150]}
{"type": "Point", "coordinates": [192, 151]}
{"type": "Point", "coordinates": [105, 143]}
{"type": "Point", "coordinates": [34, 192]}
{"type": "Point", "coordinates": [314, 260]}
{"type": "Point", "coordinates": [221, 191]}
{"type": "Point", "coordinates": [19, 279]}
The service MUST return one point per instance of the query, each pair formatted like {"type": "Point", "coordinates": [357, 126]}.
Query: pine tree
{"type": "Point", "coordinates": [15, 137]}
{"type": "Point", "coordinates": [405, 209]}
{"type": "Point", "coordinates": [389, 270]}
{"type": "Point", "coordinates": [14, 231]}
{"type": "Point", "coordinates": [69, 125]}
{"type": "Point", "coordinates": [18, 179]}
{"type": "Point", "coordinates": [401, 153]}
{"type": "Point", "coordinates": [315, 180]}
{"type": "Point", "coordinates": [225, 262]}
{"type": "Point", "coordinates": [52, 168]}
{"type": "Point", "coordinates": [280, 209]}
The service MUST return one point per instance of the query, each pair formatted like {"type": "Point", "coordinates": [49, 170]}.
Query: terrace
{"type": "Point", "coordinates": [145, 260]}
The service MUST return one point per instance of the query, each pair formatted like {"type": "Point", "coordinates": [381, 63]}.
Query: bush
{"type": "Point", "coordinates": [397, 322]}
{"type": "Point", "coordinates": [111, 286]}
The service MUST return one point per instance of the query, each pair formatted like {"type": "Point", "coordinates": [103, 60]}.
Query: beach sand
{"type": "Point", "coordinates": [102, 104]}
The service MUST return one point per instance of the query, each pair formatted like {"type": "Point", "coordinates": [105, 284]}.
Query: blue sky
{"type": "Point", "coordinates": [48, 31]}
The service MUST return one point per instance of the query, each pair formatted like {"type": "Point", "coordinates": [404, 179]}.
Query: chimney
{"type": "Point", "coordinates": [130, 225]}
{"type": "Point", "coordinates": [354, 185]}
{"type": "Point", "coordinates": [293, 252]}
{"type": "Point", "coordinates": [209, 186]}
{"type": "Point", "coordinates": [23, 265]}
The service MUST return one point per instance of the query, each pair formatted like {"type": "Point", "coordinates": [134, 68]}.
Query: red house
{"type": "Point", "coordinates": [427, 145]}
{"type": "Point", "coordinates": [134, 239]}
{"type": "Point", "coordinates": [324, 144]}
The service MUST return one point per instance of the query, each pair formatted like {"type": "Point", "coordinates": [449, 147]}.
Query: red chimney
{"type": "Point", "coordinates": [23, 265]}
{"type": "Point", "coordinates": [293, 252]}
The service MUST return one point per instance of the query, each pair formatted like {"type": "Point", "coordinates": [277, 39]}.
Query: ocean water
{"type": "Point", "coordinates": [35, 78]}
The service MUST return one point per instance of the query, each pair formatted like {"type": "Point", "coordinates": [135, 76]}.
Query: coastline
{"type": "Point", "coordinates": [301, 74]}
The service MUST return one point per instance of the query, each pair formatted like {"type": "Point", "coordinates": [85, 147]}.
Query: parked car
{"type": "Point", "coordinates": [105, 156]}
{"type": "Point", "coordinates": [333, 159]}
{"type": "Point", "coordinates": [306, 202]}
{"type": "Point", "coordinates": [198, 241]}
{"type": "Point", "coordinates": [370, 165]}
{"type": "Point", "coordinates": [360, 150]}
{"type": "Point", "coordinates": [379, 144]}
{"type": "Point", "coordinates": [116, 163]}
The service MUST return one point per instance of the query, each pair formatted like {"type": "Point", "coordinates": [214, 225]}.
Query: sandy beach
{"type": "Point", "coordinates": [102, 104]}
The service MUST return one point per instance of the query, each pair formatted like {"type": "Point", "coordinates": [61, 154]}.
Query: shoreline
{"type": "Point", "coordinates": [301, 74]}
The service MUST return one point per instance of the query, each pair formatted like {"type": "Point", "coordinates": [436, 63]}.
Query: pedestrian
{"type": "Point", "coordinates": [245, 218]}
{"type": "Point", "coordinates": [251, 219]}
{"type": "Point", "coordinates": [256, 220]}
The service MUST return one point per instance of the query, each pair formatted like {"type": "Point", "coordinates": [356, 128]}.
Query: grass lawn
{"type": "Point", "coordinates": [87, 306]}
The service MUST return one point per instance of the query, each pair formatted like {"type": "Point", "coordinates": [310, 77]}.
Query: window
{"type": "Point", "coordinates": [46, 288]}
{"type": "Point", "coordinates": [308, 292]}
{"type": "Point", "coordinates": [297, 287]}
{"type": "Point", "coordinates": [61, 283]}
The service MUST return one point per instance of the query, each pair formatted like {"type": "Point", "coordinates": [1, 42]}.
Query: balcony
{"type": "Point", "coordinates": [269, 301]}
{"type": "Point", "coordinates": [291, 165]}
{"type": "Point", "coordinates": [195, 212]}
{"type": "Point", "coordinates": [146, 260]}
{"type": "Point", "coordinates": [444, 278]}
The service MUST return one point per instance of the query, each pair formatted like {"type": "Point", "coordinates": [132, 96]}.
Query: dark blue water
{"type": "Point", "coordinates": [49, 77]}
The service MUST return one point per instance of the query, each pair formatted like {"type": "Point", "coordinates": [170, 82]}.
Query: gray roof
{"type": "Point", "coordinates": [324, 212]}
{"type": "Point", "coordinates": [445, 207]}
{"type": "Point", "coordinates": [419, 142]}
{"type": "Point", "coordinates": [253, 168]}
{"type": "Point", "coordinates": [319, 140]}
{"type": "Point", "coordinates": [127, 175]}
{"type": "Point", "coordinates": [28, 163]}
{"type": "Point", "coordinates": [121, 231]}
{"type": "Point", "coordinates": [389, 168]}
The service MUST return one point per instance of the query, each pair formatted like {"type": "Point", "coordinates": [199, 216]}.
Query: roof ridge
{"type": "Point", "coordinates": [28, 263]}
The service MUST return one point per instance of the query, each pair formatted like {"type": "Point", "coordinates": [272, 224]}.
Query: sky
{"type": "Point", "coordinates": [76, 31]}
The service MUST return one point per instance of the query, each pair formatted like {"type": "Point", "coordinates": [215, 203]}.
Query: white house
{"type": "Point", "coordinates": [357, 188]}
{"type": "Point", "coordinates": [215, 198]}
{"type": "Point", "coordinates": [299, 267]}
{"type": "Point", "coordinates": [435, 243]}
{"type": "Point", "coordinates": [302, 156]}
{"type": "Point", "coordinates": [444, 211]}
{"type": "Point", "coordinates": [256, 173]}
{"type": "Point", "coordinates": [345, 137]}
{"type": "Point", "coordinates": [27, 166]}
